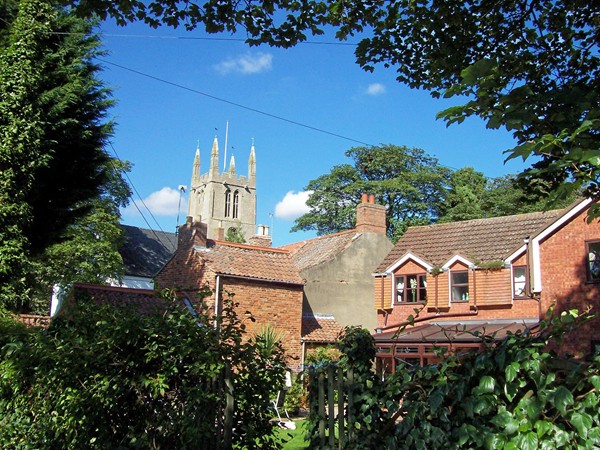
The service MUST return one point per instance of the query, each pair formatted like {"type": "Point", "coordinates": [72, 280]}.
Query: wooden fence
{"type": "Point", "coordinates": [222, 387]}
{"type": "Point", "coordinates": [333, 389]}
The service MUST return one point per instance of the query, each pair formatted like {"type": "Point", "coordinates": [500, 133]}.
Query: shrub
{"type": "Point", "coordinates": [104, 377]}
{"type": "Point", "coordinates": [514, 394]}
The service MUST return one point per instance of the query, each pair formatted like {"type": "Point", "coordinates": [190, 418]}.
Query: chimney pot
{"type": "Point", "coordinates": [364, 198]}
{"type": "Point", "coordinates": [372, 199]}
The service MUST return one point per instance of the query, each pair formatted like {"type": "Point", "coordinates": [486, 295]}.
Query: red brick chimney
{"type": "Point", "coordinates": [192, 233]}
{"type": "Point", "coordinates": [369, 216]}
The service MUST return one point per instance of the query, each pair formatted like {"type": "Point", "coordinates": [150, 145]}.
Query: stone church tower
{"type": "Point", "coordinates": [223, 200]}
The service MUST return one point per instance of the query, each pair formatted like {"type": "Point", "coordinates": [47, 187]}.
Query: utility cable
{"type": "Point", "coordinates": [141, 200]}
{"type": "Point", "coordinates": [238, 105]}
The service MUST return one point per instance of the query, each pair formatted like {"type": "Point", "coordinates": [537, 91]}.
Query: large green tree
{"type": "Point", "coordinates": [471, 195]}
{"type": "Point", "coordinates": [53, 127]}
{"type": "Point", "coordinates": [530, 66]}
{"type": "Point", "coordinates": [407, 180]}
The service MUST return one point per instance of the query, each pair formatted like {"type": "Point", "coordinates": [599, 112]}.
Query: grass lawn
{"type": "Point", "coordinates": [295, 438]}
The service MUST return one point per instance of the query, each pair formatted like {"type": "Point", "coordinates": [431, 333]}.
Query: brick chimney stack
{"type": "Point", "coordinates": [369, 216]}
{"type": "Point", "coordinates": [262, 238]}
{"type": "Point", "coordinates": [192, 233]}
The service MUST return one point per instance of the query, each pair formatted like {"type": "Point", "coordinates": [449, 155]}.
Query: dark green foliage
{"type": "Point", "coordinates": [55, 177]}
{"type": "Point", "coordinates": [406, 180]}
{"type": "Point", "coordinates": [103, 377]}
{"type": "Point", "coordinates": [531, 67]}
{"type": "Point", "coordinates": [515, 394]}
{"type": "Point", "coordinates": [471, 195]}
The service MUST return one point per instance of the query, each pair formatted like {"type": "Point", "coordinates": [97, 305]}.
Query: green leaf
{"type": "Point", "coordinates": [562, 399]}
{"type": "Point", "coordinates": [595, 380]}
{"type": "Point", "coordinates": [543, 427]}
{"type": "Point", "coordinates": [487, 384]}
{"type": "Point", "coordinates": [582, 422]}
{"type": "Point", "coordinates": [511, 371]}
{"type": "Point", "coordinates": [527, 441]}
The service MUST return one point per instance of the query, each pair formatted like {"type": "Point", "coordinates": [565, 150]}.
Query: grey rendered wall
{"type": "Point", "coordinates": [343, 286]}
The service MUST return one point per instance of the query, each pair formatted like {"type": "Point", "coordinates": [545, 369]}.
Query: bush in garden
{"type": "Point", "coordinates": [515, 394]}
{"type": "Point", "coordinates": [105, 377]}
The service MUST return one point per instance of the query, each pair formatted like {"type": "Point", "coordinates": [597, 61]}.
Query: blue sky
{"type": "Point", "coordinates": [303, 107]}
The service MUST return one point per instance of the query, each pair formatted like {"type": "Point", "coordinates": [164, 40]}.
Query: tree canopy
{"type": "Point", "coordinates": [54, 170]}
{"type": "Point", "coordinates": [531, 66]}
{"type": "Point", "coordinates": [407, 180]}
{"type": "Point", "coordinates": [472, 195]}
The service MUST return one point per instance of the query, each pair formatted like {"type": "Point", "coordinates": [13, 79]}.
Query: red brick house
{"type": "Point", "coordinates": [494, 275]}
{"type": "Point", "coordinates": [263, 280]}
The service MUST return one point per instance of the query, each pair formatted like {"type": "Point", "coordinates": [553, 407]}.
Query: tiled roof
{"type": "Point", "coordinates": [145, 252]}
{"type": "Point", "coordinates": [320, 328]}
{"type": "Point", "coordinates": [315, 251]}
{"type": "Point", "coordinates": [459, 331]}
{"type": "Point", "coordinates": [491, 239]}
{"type": "Point", "coordinates": [142, 301]}
{"type": "Point", "coordinates": [249, 261]}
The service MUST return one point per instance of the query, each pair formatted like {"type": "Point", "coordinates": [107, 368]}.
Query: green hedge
{"type": "Point", "coordinates": [516, 394]}
{"type": "Point", "coordinates": [106, 378]}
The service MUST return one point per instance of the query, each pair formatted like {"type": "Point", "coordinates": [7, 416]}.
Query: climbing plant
{"type": "Point", "coordinates": [514, 394]}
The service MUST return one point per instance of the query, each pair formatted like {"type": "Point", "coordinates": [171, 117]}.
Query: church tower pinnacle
{"type": "Point", "coordinates": [252, 163]}
{"type": "Point", "coordinates": [214, 158]}
{"type": "Point", "coordinates": [223, 201]}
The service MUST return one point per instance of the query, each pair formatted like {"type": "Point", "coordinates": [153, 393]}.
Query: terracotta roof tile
{"type": "Point", "coordinates": [491, 239]}
{"type": "Point", "coordinates": [142, 301]}
{"type": "Point", "coordinates": [315, 251]}
{"type": "Point", "coordinates": [320, 328]}
{"type": "Point", "coordinates": [250, 262]}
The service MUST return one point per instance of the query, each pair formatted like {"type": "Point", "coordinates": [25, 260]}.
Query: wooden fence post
{"type": "Point", "coordinates": [341, 414]}
{"type": "Point", "coordinates": [331, 404]}
{"type": "Point", "coordinates": [321, 384]}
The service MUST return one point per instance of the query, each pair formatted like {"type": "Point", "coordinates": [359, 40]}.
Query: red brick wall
{"type": "Point", "coordinates": [277, 304]}
{"type": "Point", "coordinates": [185, 271]}
{"type": "Point", "coordinates": [490, 291]}
{"type": "Point", "coordinates": [270, 303]}
{"type": "Point", "coordinates": [492, 287]}
{"type": "Point", "coordinates": [563, 257]}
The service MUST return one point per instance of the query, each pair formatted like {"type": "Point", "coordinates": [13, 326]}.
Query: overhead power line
{"type": "Point", "coordinates": [237, 105]}
{"type": "Point", "coordinates": [141, 200]}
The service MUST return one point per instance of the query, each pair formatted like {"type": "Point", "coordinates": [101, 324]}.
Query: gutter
{"type": "Point", "coordinates": [262, 280]}
{"type": "Point", "coordinates": [423, 319]}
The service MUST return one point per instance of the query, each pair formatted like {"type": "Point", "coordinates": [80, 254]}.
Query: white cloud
{"type": "Point", "coordinates": [161, 203]}
{"type": "Point", "coordinates": [246, 64]}
{"type": "Point", "coordinates": [293, 205]}
{"type": "Point", "coordinates": [376, 89]}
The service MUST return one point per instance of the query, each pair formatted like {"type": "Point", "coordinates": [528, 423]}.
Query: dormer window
{"type": "Point", "coordinates": [411, 288]}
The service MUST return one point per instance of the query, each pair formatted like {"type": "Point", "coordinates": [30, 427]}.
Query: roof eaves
{"type": "Point", "coordinates": [409, 256]}
{"type": "Point", "coordinates": [263, 280]}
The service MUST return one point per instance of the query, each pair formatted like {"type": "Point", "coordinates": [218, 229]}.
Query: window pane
{"type": "Point", "coordinates": [423, 288]}
{"type": "Point", "coordinates": [460, 277]}
{"type": "Point", "coordinates": [519, 280]}
{"type": "Point", "coordinates": [460, 293]}
{"type": "Point", "coordinates": [460, 286]}
{"type": "Point", "coordinates": [594, 261]}
{"type": "Point", "coordinates": [399, 288]}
